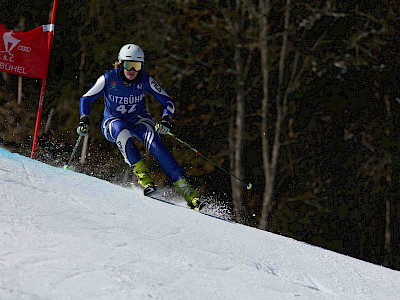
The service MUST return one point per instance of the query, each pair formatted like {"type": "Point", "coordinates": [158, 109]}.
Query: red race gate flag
{"type": "Point", "coordinates": [25, 53]}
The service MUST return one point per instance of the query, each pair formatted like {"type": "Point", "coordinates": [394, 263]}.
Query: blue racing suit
{"type": "Point", "coordinates": [125, 115]}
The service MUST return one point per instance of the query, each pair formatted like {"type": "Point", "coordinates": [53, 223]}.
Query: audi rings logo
{"type": "Point", "coordinates": [24, 48]}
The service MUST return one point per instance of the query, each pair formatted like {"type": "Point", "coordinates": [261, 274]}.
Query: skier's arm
{"type": "Point", "coordinates": [95, 92]}
{"type": "Point", "coordinates": [156, 90]}
{"type": "Point", "coordinates": [84, 107]}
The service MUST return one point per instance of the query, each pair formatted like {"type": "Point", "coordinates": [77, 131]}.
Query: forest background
{"type": "Point", "coordinates": [300, 98]}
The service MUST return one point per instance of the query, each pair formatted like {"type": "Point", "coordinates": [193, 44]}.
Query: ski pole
{"type": "Point", "coordinates": [248, 185]}
{"type": "Point", "coordinates": [73, 152]}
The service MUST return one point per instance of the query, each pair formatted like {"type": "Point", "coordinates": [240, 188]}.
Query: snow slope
{"type": "Point", "coordinates": [65, 235]}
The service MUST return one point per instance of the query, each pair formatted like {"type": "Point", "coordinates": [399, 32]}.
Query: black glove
{"type": "Point", "coordinates": [164, 125]}
{"type": "Point", "coordinates": [83, 126]}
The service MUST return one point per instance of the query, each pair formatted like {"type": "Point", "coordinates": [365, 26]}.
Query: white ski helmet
{"type": "Point", "coordinates": [131, 52]}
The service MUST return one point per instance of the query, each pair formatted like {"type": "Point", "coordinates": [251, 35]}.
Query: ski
{"type": "Point", "coordinates": [201, 210]}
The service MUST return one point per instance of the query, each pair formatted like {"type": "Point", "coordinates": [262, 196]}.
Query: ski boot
{"type": "Point", "coordinates": [188, 193]}
{"type": "Point", "coordinates": [143, 177]}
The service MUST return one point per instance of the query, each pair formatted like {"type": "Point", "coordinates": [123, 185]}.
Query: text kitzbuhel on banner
{"type": "Point", "coordinates": [25, 53]}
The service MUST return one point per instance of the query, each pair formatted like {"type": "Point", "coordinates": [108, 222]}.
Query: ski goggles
{"type": "Point", "coordinates": [135, 65]}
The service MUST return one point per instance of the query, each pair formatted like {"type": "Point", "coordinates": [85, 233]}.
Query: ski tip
{"type": "Point", "coordinates": [149, 190]}
{"type": "Point", "coordinates": [66, 167]}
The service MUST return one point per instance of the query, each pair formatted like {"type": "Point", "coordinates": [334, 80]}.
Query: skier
{"type": "Point", "coordinates": [125, 117]}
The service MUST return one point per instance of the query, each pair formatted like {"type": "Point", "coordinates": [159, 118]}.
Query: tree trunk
{"type": "Point", "coordinates": [270, 161]}
{"type": "Point", "coordinates": [237, 132]}
{"type": "Point", "coordinates": [388, 231]}
{"type": "Point", "coordinates": [235, 166]}
{"type": "Point", "coordinates": [239, 109]}
{"type": "Point", "coordinates": [82, 160]}
{"type": "Point", "coordinates": [267, 197]}
{"type": "Point", "coordinates": [46, 128]}
{"type": "Point", "coordinates": [4, 78]}
{"type": "Point", "coordinates": [19, 98]}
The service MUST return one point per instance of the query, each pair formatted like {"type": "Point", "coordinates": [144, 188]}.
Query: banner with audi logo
{"type": "Point", "coordinates": [25, 53]}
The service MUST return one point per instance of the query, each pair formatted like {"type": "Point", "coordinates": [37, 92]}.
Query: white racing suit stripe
{"type": "Point", "coordinates": [149, 136]}
{"type": "Point", "coordinates": [122, 139]}
{"type": "Point", "coordinates": [97, 87]}
{"type": "Point", "coordinates": [107, 129]}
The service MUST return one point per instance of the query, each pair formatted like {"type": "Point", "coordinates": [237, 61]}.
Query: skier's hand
{"type": "Point", "coordinates": [164, 125]}
{"type": "Point", "coordinates": [83, 126]}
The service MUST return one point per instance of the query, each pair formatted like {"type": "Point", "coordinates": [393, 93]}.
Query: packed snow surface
{"type": "Point", "coordinates": [65, 235]}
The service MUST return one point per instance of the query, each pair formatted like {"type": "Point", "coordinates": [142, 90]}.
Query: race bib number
{"type": "Point", "coordinates": [123, 109]}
